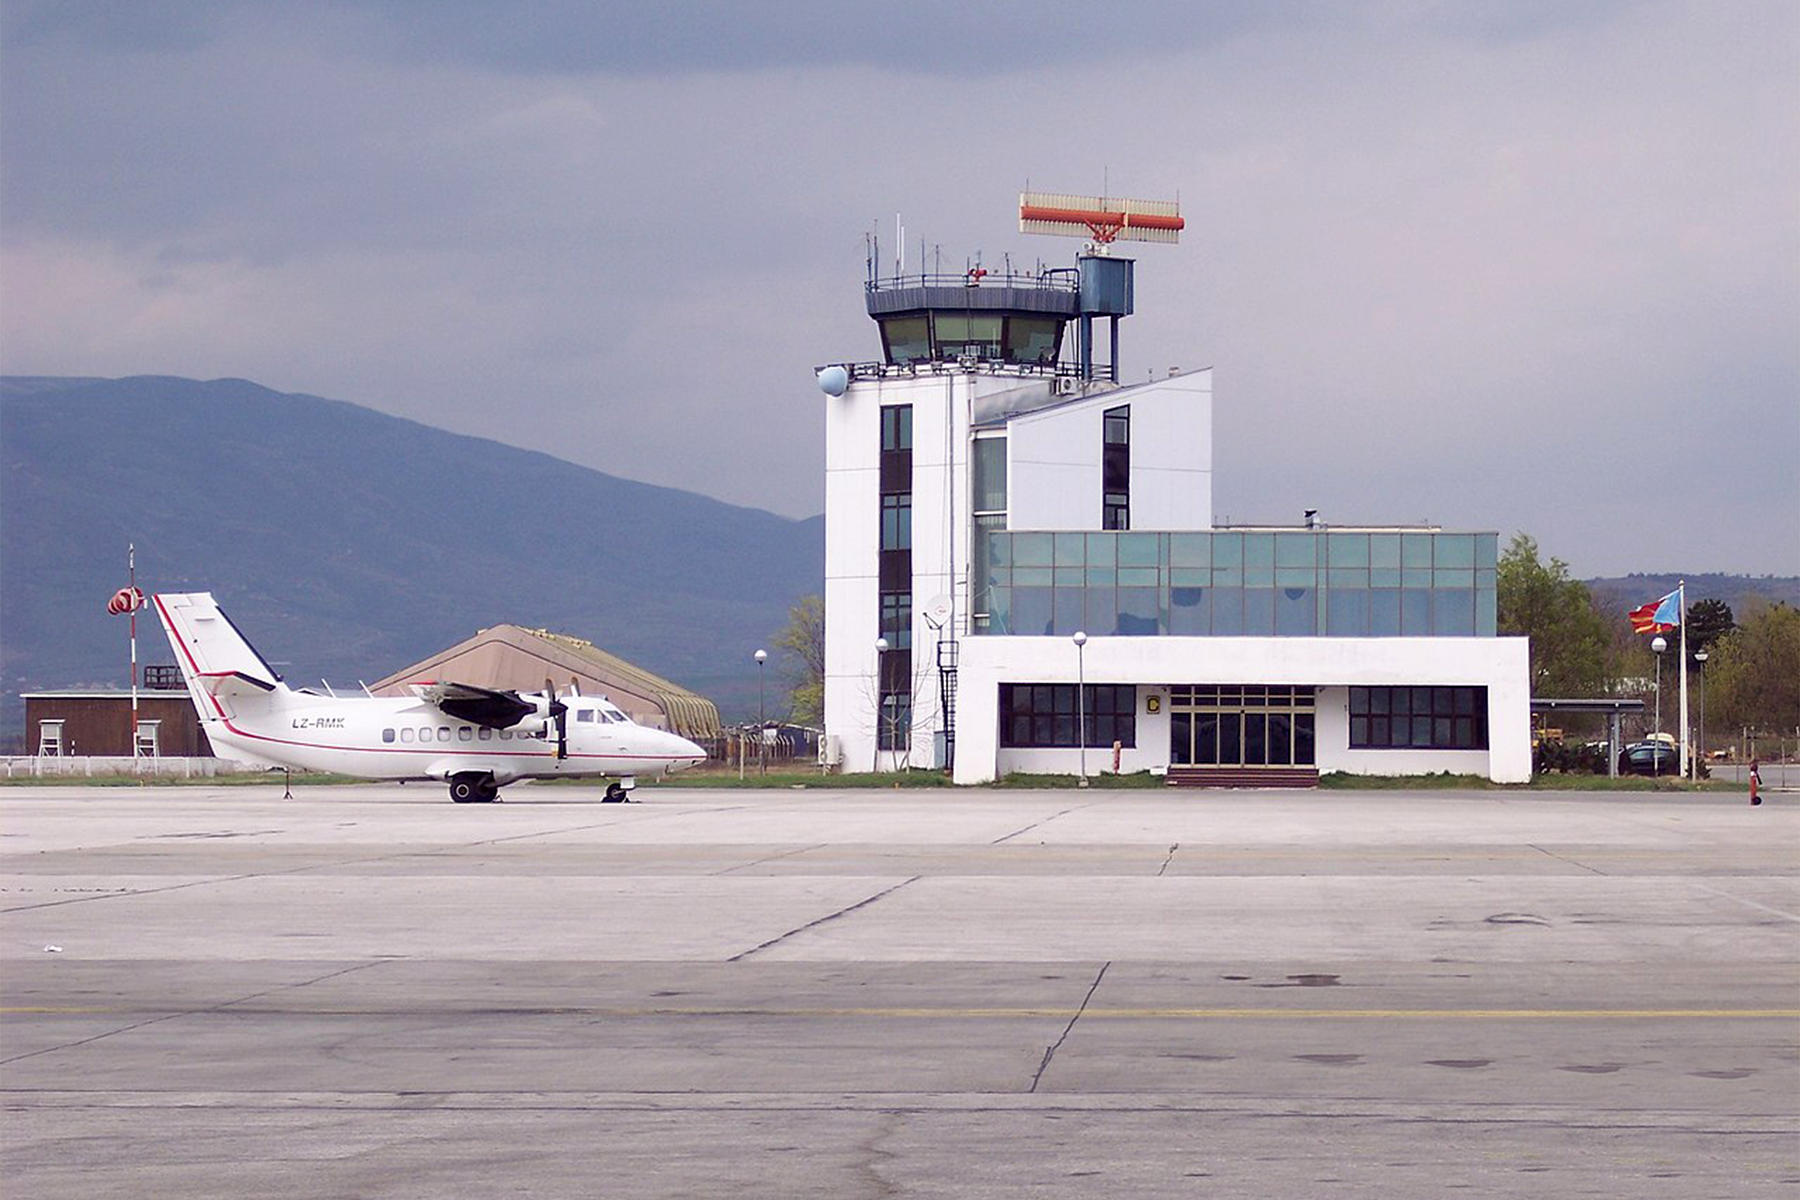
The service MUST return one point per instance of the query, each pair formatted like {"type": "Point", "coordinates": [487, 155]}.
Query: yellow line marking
{"type": "Point", "coordinates": [1181, 1014]}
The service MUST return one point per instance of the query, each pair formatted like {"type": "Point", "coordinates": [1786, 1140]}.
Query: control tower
{"type": "Point", "coordinates": [979, 372]}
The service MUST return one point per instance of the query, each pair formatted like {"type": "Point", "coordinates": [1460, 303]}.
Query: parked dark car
{"type": "Point", "coordinates": [1649, 758]}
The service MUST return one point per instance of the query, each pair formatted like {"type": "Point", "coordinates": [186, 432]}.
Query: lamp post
{"type": "Point", "coordinates": [1081, 704]}
{"type": "Point", "coordinates": [881, 648]}
{"type": "Point", "coordinates": [1700, 657]}
{"type": "Point", "coordinates": [762, 738]}
{"type": "Point", "coordinates": [1658, 644]}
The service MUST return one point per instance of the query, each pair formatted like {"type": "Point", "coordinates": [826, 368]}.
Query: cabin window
{"type": "Point", "coordinates": [443, 733]}
{"type": "Point", "coordinates": [406, 735]}
{"type": "Point", "coordinates": [465, 734]}
{"type": "Point", "coordinates": [506, 735]}
{"type": "Point", "coordinates": [387, 735]}
{"type": "Point", "coordinates": [585, 716]}
{"type": "Point", "coordinates": [486, 734]}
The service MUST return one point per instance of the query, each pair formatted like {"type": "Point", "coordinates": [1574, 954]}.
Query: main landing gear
{"type": "Point", "coordinates": [616, 794]}
{"type": "Point", "coordinates": [472, 787]}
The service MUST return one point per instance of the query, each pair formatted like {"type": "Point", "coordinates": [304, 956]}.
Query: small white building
{"type": "Point", "coordinates": [988, 500]}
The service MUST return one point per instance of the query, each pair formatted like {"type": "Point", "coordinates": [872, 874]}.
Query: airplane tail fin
{"type": "Point", "coordinates": [218, 663]}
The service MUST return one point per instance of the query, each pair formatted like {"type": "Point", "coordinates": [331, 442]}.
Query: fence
{"type": "Point", "coordinates": [35, 765]}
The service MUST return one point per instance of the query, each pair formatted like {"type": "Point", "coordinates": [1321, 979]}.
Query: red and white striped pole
{"type": "Point", "coordinates": [131, 571]}
{"type": "Point", "coordinates": [125, 602]}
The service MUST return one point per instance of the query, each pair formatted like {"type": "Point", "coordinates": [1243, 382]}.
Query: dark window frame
{"type": "Point", "coordinates": [1451, 717]}
{"type": "Point", "coordinates": [896, 619]}
{"type": "Point", "coordinates": [898, 534]}
{"type": "Point", "coordinates": [1115, 468]}
{"type": "Point", "coordinates": [893, 726]}
{"type": "Point", "coordinates": [1042, 716]}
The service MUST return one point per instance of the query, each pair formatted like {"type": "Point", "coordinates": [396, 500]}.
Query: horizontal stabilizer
{"type": "Point", "coordinates": [206, 642]}
{"type": "Point", "coordinates": [228, 684]}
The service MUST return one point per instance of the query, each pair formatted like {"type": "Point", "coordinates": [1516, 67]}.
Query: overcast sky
{"type": "Point", "coordinates": [1508, 265]}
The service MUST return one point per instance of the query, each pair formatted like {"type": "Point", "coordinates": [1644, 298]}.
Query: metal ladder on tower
{"type": "Point", "coordinates": [946, 656]}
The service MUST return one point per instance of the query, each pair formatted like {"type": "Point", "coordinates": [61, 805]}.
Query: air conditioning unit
{"type": "Point", "coordinates": [1067, 385]}
{"type": "Point", "coordinates": [831, 750]}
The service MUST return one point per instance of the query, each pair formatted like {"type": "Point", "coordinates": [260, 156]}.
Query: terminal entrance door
{"type": "Point", "coordinates": [1240, 725]}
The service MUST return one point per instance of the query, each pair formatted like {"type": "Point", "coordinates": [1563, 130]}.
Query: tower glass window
{"type": "Point", "coordinates": [908, 338]}
{"type": "Point", "coordinates": [896, 619]}
{"type": "Point", "coordinates": [896, 427]}
{"type": "Point", "coordinates": [896, 521]}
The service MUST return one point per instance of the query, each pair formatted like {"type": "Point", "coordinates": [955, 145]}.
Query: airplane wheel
{"type": "Point", "coordinates": [488, 792]}
{"type": "Point", "coordinates": [614, 794]}
{"type": "Point", "coordinates": [465, 789]}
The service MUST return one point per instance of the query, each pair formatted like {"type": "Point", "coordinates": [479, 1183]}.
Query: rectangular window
{"type": "Point", "coordinates": [1115, 468]}
{"type": "Point", "coordinates": [990, 475]}
{"type": "Point", "coordinates": [1042, 715]}
{"type": "Point", "coordinates": [908, 339]}
{"type": "Point", "coordinates": [1032, 339]}
{"type": "Point", "coordinates": [896, 427]}
{"type": "Point", "coordinates": [387, 735]}
{"type": "Point", "coordinates": [896, 521]}
{"type": "Point", "coordinates": [896, 619]}
{"type": "Point", "coordinates": [1420, 718]}
{"type": "Point", "coordinates": [896, 721]}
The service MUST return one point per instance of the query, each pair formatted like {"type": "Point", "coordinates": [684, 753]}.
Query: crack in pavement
{"type": "Point", "coordinates": [1168, 860]}
{"type": "Point", "coordinates": [864, 903]}
{"type": "Point", "coordinates": [1565, 858]}
{"type": "Point", "coordinates": [769, 859]}
{"type": "Point", "coordinates": [1065, 812]}
{"type": "Point", "coordinates": [1050, 1051]}
{"type": "Point", "coordinates": [194, 1012]}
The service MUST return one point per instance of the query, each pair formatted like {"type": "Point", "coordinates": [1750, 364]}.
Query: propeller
{"type": "Point", "coordinates": [558, 712]}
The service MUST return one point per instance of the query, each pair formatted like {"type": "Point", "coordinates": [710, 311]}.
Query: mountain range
{"type": "Point", "coordinates": [347, 543]}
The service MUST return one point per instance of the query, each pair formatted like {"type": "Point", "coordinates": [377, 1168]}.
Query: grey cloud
{"type": "Point", "coordinates": [1496, 277]}
{"type": "Point", "coordinates": [647, 37]}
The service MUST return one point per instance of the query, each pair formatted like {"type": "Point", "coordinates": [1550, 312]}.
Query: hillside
{"type": "Point", "coordinates": [1626, 592]}
{"type": "Point", "coordinates": [347, 543]}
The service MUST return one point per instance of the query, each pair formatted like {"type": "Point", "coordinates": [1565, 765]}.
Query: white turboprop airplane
{"type": "Point", "coordinates": [476, 739]}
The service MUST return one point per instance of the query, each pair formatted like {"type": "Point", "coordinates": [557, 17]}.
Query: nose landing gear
{"type": "Point", "coordinates": [471, 787]}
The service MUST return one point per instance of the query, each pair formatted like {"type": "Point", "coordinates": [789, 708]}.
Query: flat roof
{"type": "Point", "coordinates": [105, 694]}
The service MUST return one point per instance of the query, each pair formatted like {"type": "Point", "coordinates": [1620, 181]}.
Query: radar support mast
{"type": "Point", "coordinates": [1106, 283]}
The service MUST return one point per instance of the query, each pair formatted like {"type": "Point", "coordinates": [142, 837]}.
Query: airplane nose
{"type": "Point", "coordinates": [691, 754]}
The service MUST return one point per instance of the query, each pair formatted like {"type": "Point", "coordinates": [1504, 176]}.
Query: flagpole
{"type": "Point", "coordinates": [1686, 762]}
{"type": "Point", "coordinates": [131, 569]}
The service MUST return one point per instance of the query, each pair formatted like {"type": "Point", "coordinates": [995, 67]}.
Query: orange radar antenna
{"type": "Point", "coordinates": [1104, 218]}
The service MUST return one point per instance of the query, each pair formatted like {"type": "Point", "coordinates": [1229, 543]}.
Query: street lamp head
{"type": "Point", "coordinates": [881, 645]}
{"type": "Point", "coordinates": [762, 656]}
{"type": "Point", "coordinates": [1080, 638]}
{"type": "Point", "coordinates": [1659, 644]}
{"type": "Point", "coordinates": [1700, 656]}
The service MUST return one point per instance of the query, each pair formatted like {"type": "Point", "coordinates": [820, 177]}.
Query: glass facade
{"type": "Point", "coordinates": [1232, 583]}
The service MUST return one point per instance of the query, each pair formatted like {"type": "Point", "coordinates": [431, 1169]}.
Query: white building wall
{"type": "Point", "coordinates": [1054, 456]}
{"type": "Point", "coordinates": [942, 407]}
{"type": "Point", "coordinates": [1499, 664]}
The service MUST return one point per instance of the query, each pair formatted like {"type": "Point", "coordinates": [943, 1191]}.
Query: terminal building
{"type": "Point", "coordinates": [1023, 573]}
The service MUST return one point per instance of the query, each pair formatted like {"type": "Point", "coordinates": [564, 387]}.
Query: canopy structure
{"type": "Point", "coordinates": [516, 658]}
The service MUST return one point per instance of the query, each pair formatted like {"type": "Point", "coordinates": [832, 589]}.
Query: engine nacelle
{"type": "Point", "coordinates": [541, 720]}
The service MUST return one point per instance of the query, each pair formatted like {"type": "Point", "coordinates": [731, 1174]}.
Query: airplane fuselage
{"type": "Point", "coordinates": [403, 738]}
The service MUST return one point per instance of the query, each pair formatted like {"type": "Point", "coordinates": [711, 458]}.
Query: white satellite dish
{"type": "Point", "coordinates": [834, 381]}
{"type": "Point", "coordinates": [938, 610]}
